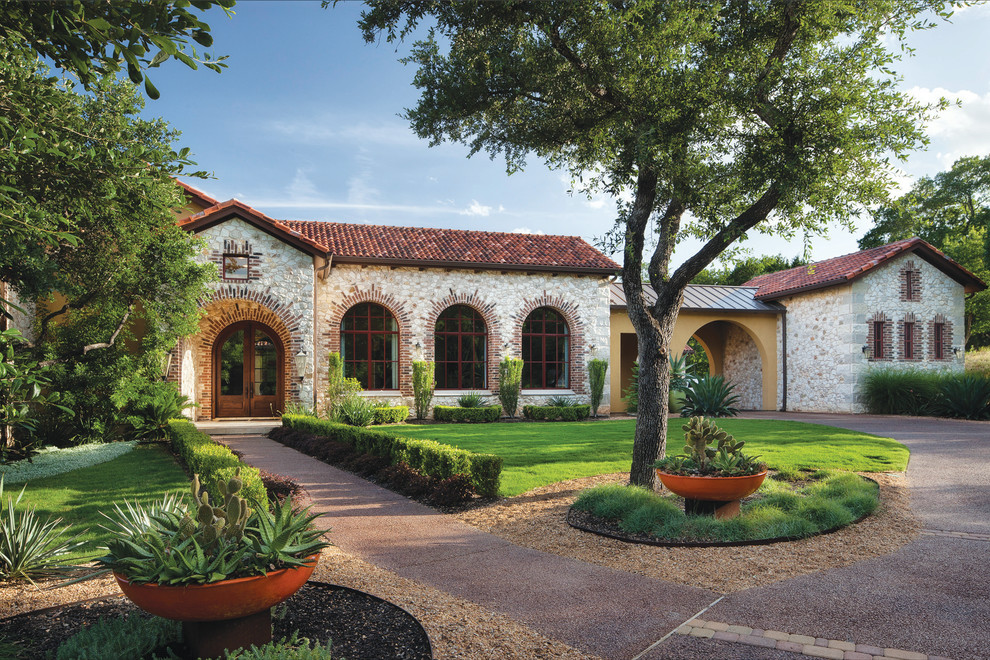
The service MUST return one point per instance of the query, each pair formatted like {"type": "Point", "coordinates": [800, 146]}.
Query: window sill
{"type": "Point", "coordinates": [460, 392]}
{"type": "Point", "coordinates": [549, 392]}
{"type": "Point", "coordinates": [373, 393]}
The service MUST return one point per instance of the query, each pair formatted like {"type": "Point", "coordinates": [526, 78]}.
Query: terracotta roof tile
{"type": "Point", "coordinates": [840, 270]}
{"type": "Point", "coordinates": [454, 246]}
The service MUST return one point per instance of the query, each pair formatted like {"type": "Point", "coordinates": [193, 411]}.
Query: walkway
{"type": "Point", "coordinates": [929, 597]}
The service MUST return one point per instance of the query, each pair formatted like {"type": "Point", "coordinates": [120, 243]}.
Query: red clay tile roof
{"type": "Point", "coordinates": [371, 243]}
{"type": "Point", "coordinates": [847, 268]}
{"type": "Point", "coordinates": [197, 196]}
{"type": "Point", "coordinates": [423, 246]}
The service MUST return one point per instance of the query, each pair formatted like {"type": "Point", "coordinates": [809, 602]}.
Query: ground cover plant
{"type": "Point", "coordinates": [928, 393]}
{"type": "Point", "coordinates": [78, 497]}
{"type": "Point", "coordinates": [538, 454]}
{"type": "Point", "coordinates": [52, 461]}
{"type": "Point", "coordinates": [818, 502]}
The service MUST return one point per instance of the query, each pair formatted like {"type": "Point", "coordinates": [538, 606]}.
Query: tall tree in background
{"type": "Point", "coordinates": [952, 212]}
{"type": "Point", "coordinates": [745, 269]}
{"type": "Point", "coordinates": [712, 119]}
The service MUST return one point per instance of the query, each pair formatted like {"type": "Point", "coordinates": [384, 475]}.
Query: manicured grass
{"type": "Point", "coordinates": [536, 454]}
{"type": "Point", "coordinates": [78, 497]}
{"type": "Point", "coordinates": [779, 510]}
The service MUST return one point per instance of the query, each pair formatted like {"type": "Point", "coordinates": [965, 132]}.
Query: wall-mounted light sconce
{"type": "Point", "coordinates": [866, 349]}
{"type": "Point", "coordinates": [417, 345]}
{"type": "Point", "coordinates": [955, 350]}
{"type": "Point", "coordinates": [302, 361]}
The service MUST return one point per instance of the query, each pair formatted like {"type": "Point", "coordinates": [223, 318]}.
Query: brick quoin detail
{"type": "Point", "coordinates": [331, 334]}
{"type": "Point", "coordinates": [947, 355]}
{"type": "Point", "coordinates": [915, 339]}
{"type": "Point", "coordinates": [887, 338]}
{"type": "Point", "coordinates": [231, 304]}
{"type": "Point", "coordinates": [493, 350]}
{"type": "Point", "coordinates": [569, 310]}
{"type": "Point", "coordinates": [910, 274]}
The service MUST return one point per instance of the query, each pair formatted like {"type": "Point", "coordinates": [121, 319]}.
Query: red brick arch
{"type": "Point", "coordinates": [570, 312]}
{"type": "Point", "coordinates": [222, 312]}
{"type": "Point", "coordinates": [493, 326]}
{"type": "Point", "coordinates": [331, 333]}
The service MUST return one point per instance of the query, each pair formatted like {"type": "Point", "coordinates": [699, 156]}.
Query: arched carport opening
{"type": "Point", "coordinates": [734, 353]}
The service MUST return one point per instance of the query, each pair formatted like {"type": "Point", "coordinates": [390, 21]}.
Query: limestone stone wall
{"type": "Point", "coordinates": [743, 368]}
{"type": "Point", "coordinates": [822, 353]}
{"type": "Point", "coordinates": [278, 291]}
{"type": "Point", "coordinates": [416, 297]}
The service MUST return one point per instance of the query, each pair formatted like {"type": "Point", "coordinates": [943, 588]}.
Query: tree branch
{"type": "Point", "coordinates": [120, 326]}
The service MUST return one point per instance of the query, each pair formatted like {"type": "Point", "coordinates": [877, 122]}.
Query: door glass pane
{"type": "Point", "coordinates": [232, 365]}
{"type": "Point", "coordinates": [265, 365]}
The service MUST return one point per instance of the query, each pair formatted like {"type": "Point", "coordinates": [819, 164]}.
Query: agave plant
{"type": "Point", "coordinates": [29, 547]}
{"type": "Point", "coordinates": [710, 396]}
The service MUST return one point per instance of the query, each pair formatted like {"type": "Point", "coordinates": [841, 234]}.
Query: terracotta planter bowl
{"type": "Point", "coordinates": [716, 489]}
{"type": "Point", "coordinates": [218, 601]}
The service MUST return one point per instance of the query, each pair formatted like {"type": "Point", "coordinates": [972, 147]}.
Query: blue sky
{"type": "Point", "coordinates": [304, 124]}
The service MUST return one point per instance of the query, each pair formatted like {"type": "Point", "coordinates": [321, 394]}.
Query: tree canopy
{"type": "Point", "coordinates": [952, 212]}
{"type": "Point", "coordinates": [745, 269]}
{"type": "Point", "coordinates": [704, 119]}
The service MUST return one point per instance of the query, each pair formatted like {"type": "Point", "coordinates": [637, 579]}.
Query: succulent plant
{"type": "Point", "coordinates": [709, 450]}
{"type": "Point", "coordinates": [216, 523]}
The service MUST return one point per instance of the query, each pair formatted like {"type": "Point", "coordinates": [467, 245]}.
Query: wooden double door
{"type": "Point", "coordinates": [248, 361]}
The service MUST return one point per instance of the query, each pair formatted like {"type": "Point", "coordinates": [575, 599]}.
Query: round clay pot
{"type": "Point", "coordinates": [715, 489]}
{"type": "Point", "coordinates": [218, 601]}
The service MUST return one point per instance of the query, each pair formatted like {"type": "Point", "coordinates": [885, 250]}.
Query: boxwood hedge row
{"type": "Point", "coordinates": [213, 463]}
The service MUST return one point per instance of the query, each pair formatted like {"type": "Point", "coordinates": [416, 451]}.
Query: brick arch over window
{"type": "Point", "coordinates": [223, 309]}
{"type": "Point", "coordinates": [940, 338]}
{"type": "Point", "coordinates": [487, 311]}
{"type": "Point", "coordinates": [909, 339]}
{"type": "Point", "coordinates": [576, 328]}
{"type": "Point", "coordinates": [879, 338]}
{"type": "Point", "coordinates": [331, 334]}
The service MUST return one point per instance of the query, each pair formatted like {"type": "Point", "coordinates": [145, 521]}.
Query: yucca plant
{"type": "Point", "coordinates": [710, 396]}
{"type": "Point", "coordinates": [966, 395]}
{"type": "Point", "coordinates": [470, 400]}
{"type": "Point", "coordinates": [561, 402]}
{"type": "Point", "coordinates": [29, 547]}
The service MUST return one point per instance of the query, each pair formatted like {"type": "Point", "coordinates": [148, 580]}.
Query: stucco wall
{"type": "Point", "coordinates": [503, 298]}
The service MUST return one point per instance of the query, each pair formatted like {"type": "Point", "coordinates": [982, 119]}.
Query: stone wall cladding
{"type": "Point", "coordinates": [820, 351]}
{"type": "Point", "coordinates": [743, 368]}
{"type": "Point", "coordinates": [910, 275]}
{"type": "Point", "coordinates": [416, 297]}
{"type": "Point", "coordinates": [279, 293]}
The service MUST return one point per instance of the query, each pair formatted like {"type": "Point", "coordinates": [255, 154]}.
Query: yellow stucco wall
{"type": "Point", "coordinates": [761, 329]}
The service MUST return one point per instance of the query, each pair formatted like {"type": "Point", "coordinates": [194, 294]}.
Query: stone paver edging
{"type": "Point", "coordinates": [815, 647]}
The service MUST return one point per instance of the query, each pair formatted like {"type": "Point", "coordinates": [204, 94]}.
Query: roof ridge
{"type": "Point", "coordinates": [471, 231]}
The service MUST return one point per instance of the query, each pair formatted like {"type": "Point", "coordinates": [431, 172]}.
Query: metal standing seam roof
{"type": "Point", "coordinates": [705, 297]}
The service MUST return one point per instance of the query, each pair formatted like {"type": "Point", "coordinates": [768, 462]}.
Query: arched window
{"type": "Point", "coordinates": [461, 349]}
{"type": "Point", "coordinates": [545, 350]}
{"type": "Point", "coordinates": [369, 346]}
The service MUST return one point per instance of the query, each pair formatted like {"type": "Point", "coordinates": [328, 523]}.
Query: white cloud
{"type": "Point", "coordinates": [331, 130]}
{"type": "Point", "coordinates": [477, 208]}
{"type": "Point", "coordinates": [960, 130]}
{"type": "Point", "coordinates": [527, 230]}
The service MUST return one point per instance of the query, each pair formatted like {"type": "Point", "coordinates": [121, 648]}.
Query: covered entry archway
{"type": "Point", "coordinates": [738, 332]}
{"type": "Point", "coordinates": [248, 360]}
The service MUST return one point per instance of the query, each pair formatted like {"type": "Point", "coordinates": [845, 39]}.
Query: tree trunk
{"type": "Point", "coordinates": [653, 338]}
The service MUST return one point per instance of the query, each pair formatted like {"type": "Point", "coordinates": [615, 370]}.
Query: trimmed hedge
{"type": "Point", "coordinates": [213, 463]}
{"type": "Point", "coordinates": [390, 415]}
{"type": "Point", "coordinates": [480, 415]}
{"type": "Point", "coordinates": [555, 413]}
{"type": "Point", "coordinates": [428, 456]}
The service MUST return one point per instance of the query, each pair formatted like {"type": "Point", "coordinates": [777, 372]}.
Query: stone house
{"type": "Point", "coordinates": [803, 339]}
{"type": "Point", "coordinates": [292, 292]}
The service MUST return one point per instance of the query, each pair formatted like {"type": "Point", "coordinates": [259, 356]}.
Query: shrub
{"type": "Point", "coordinates": [570, 413]}
{"type": "Point", "coordinates": [632, 392]}
{"type": "Point", "coordinates": [120, 639]}
{"type": "Point", "coordinates": [710, 396]}
{"type": "Point", "coordinates": [149, 409]}
{"type": "Point", "coordinates": [339, 389]}
{"type": "Point", "coordinates": [470, 400]}
{"type": "Point", "coordinates": [355, 411]}
{"type": "Point", "coordinates": [30, 548]}
{"type": "Point", "coordinates": [888, 391]}
{"type": "Point", "coordinates": [978, 362]}
{"type": "Point", "coordinates": [213, 463]}
{"type": "Point", "coordinates": [406, 480]}
{"type": "Point", "coordinates": [467, 415]}
{"type": "Point", "coordinates": [965, 395]}
{"type": "Point", "coordinates": [431, 458]}
{"type": "Point", "coordinates": [509, 384]}
{"type": "Point", "coordinates": [452, 491]}
{"type": "Point", "coordinates": [424, 383]}
{"type": "Point", "coordinates": [278, 487]}
{"type": "Point", "coordinates": [596, 378]}
{"type": "Point", "coordinates": [386, 414]}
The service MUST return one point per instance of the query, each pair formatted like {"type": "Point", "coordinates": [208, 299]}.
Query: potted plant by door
{"type": "Point", "coordinates": [712, 474]}
{"type": "Point", "coordinates": [217, 569]}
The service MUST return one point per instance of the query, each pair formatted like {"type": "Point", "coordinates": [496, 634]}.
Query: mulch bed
{"type": "Point", "coordinates": [358, 624]}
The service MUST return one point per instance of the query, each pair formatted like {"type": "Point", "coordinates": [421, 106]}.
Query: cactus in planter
{"type": "Point", "coordinates": [709, 450]}
{"type": "Point", "coordinates": [216, 523]}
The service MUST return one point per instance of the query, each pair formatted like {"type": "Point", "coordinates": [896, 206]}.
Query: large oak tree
{"type": "Point", "coordinates": [707, 119]}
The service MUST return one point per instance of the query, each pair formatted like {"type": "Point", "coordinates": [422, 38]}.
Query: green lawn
{"type": "Point", "coordinates": [536, 454]}
{"type": "Point", "coordinates": [78, 497]}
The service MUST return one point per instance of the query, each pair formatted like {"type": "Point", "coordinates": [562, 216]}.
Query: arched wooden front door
{"type": "Point", "coordinates": [248, 363]}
